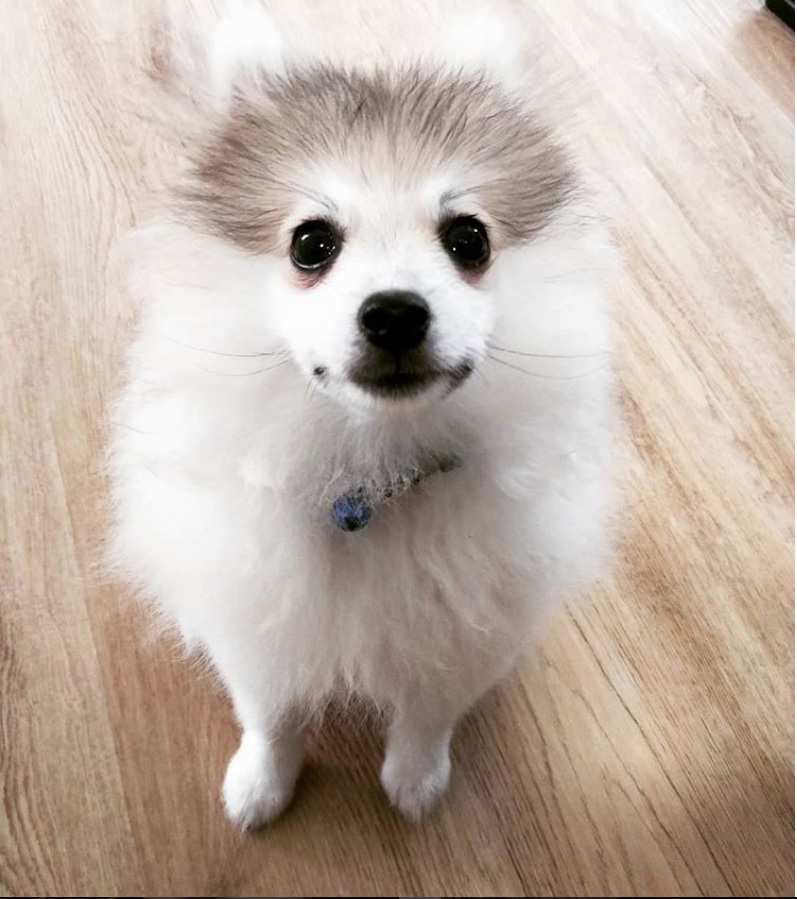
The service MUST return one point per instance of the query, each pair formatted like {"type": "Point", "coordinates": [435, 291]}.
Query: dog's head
{"type": "Point", "coordinates": [383, 200]}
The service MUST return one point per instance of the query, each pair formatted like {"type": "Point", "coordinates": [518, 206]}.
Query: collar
{"type": "Point", "coordinates": [352, 510]}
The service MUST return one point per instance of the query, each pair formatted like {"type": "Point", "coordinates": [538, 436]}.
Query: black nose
{"type": "Point", "coordinates": [395, 320]}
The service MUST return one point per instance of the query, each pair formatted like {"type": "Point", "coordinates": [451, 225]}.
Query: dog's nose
{"type": "Point", "coordinates": [395, 320]}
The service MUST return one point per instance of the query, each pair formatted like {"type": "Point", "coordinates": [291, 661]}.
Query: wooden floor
{"type": "Point", "coordinates": [647, 747]}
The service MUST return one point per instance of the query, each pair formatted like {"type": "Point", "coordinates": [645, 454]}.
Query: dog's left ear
{"type": "Point", "coordinates": [487, 37]}
{"type": "Point", "coordinates": [497, 38]}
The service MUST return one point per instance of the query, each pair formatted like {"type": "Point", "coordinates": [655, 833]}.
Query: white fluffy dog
{"type": "Point", "coordinates": [364, 442]}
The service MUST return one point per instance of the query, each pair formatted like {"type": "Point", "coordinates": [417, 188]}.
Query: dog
{"type": "Point", "coordinates": [364, 445]}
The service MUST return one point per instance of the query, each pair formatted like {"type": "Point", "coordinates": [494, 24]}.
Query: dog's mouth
{"type": "Point", "coordinates": [398, 385]}
{"type": "Point", "coordinates": [388, 376]}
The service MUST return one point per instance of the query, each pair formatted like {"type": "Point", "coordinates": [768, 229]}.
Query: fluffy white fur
{"type": "Point", "coordinates": [225, 461]}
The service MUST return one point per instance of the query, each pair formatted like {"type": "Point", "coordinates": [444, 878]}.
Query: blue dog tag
{"type": "Point", "coordinates": [350, 512]}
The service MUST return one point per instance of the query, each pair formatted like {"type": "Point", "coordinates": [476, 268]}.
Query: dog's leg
{"type": "Point", "coordinates": [262, 774]}
{"type": "Point", "coordinates": [417, 765]}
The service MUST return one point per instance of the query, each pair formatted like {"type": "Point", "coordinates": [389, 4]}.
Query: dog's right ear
{"type": "Point", "coordinates": [243, 46]}
{"type": "Point", "coordinates": [198, 62]}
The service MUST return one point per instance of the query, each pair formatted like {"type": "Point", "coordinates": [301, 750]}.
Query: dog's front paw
{"type": "Point", "coordinates": [260, 780]}
{"type": "Point", "coordinates": [414, 787]}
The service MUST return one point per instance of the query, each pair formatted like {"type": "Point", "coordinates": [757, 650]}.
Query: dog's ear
{"type": "Point", "coordinates": [486, 37]}
{"type": "Point", "coordinates": [244, 46]}
{"type": "Point", "coordinates": [501, 39]}
{"type": "Point", "coordinates": [199, 61]}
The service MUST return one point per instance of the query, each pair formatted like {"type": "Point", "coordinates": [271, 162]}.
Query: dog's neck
{"type": "Point", "coordinates": [318, 453]}
{"type": "Point", "coordinates": [353, 510]}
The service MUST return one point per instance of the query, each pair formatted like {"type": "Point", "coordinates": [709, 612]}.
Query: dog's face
{"type": "Point", "coordinates": [383, 203]}
{"type": "Point", "coordinates": [385, 289]}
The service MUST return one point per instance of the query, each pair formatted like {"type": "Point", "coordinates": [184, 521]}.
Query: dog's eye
{"type": "Point", "coordinates": [465, 241]}
{"type": "Point", "coordinates": [314, 246]}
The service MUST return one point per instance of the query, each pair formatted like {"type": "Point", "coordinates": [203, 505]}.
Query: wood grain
{"type": "Point", "coordinates": [647, 747]}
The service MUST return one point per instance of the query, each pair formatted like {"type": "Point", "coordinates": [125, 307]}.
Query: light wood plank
{"type": "Point", "coordinates": [647, 746]}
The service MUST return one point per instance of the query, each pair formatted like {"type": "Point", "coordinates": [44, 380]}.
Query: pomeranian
{"type": "Point", "coordinates": [364, 444]}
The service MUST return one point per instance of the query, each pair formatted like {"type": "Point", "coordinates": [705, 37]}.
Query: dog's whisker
{"type": "Point", "coordinates": [310, 391]}
{"type": "Point", "coordinates": [480, 374]}
{"type": "Point", "coordinates": [122, 424]}
{"type": "Point", "coordinates": [201, 349]}
{"type": "Point", "coordinates": [537, 374]}
{"type": "Point", "coordinates": [503, 349]}
{"type": "Point", "coordinates": [244, 374]}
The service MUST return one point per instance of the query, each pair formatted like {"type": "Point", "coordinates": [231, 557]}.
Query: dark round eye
{"type": "Point", "coordinates": [465, 241]}
{"type": "Point", "coordinates": [314, 245]}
